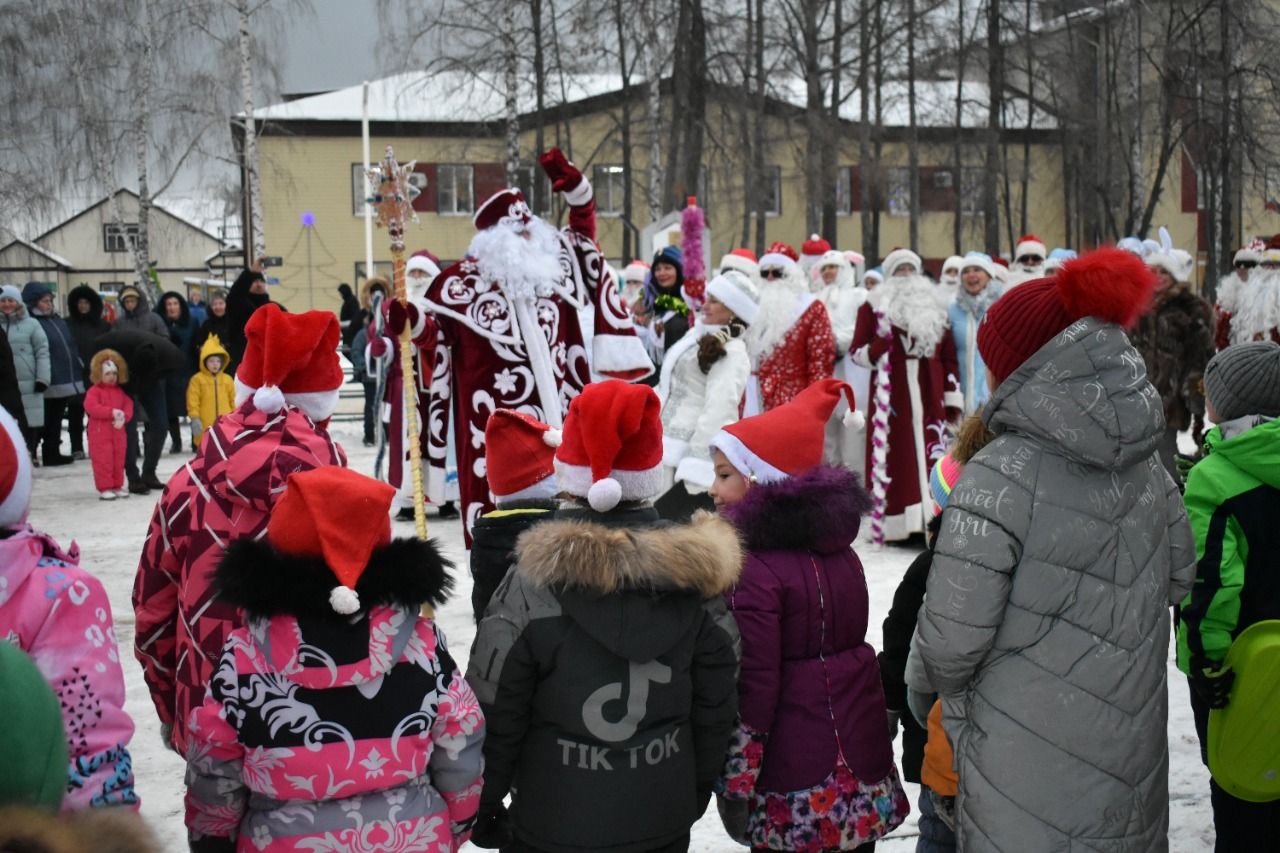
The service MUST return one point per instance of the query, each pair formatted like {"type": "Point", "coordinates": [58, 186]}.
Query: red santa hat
{"type": "Point", "coordinates": [520, 454]}
{"type": "Point", "coordinates": [1111, 284]}
{"type": "Point", "coordinates": [15, 473]}
{"type": "Point", "coordinates": [424, 261]}
{"type": "Point", "coordinates": [505, 206]}
{"type": "Point", "coordinates": [291, 358]}
{"type": "Point", "coordinates": [1030, 244]}
{"type": "Point", "coordinates": [611, 450]}
{"type": "Point", "coordinates": [815, 247]}
{"type": "Point", "coordinates": [742, 260]}
{"type": "Point", "coordinates": [337, 515]}
{"type": "Point", "coordinates": [787, 440]}
{"type": "Point", "coordinates": [635, 272]}
{"type": "Point", "coordinates": [780, 256]}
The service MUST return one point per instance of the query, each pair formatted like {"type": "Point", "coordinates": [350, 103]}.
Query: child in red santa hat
{"type": "Point", "coordinates": [336, 717]}
{"type": "Point", "coordinates": [812, 712]}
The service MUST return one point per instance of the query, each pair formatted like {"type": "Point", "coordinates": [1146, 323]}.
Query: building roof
{"type": "Point", "coordinates": [57, 259]}
{"type": "Point", "coordinates": [154, 206]}
{"type": "Point", "coordinates": [455, 96]}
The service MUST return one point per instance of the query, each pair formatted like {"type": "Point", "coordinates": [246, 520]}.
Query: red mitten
{"type": "Point", "coordinates": [877, 348]}
{"type": "Point", "coordinates": [564, 176]}
{"type": "Point", "coordinates": [399, 315]}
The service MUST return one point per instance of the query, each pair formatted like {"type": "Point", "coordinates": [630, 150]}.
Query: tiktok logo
{"type": "Point", "coordinates": [637, 702]}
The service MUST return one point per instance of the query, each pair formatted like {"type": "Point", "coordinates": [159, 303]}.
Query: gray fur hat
{"type": "Point", "coordinates": [1244, 379]}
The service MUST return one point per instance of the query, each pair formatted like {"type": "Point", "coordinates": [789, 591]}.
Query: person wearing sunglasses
{"type": "Point", "coordinates": [791, 343]}
{"type": "Point", "coordinates": [1029, 254]}
{"type": "Point", "coordinates": [1233, 288]}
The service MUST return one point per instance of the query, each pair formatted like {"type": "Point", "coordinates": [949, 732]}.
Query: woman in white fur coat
{"type": "Point", "coordinates": [836, 287]}
{"type": "Point", "coordinates": [703, 379]}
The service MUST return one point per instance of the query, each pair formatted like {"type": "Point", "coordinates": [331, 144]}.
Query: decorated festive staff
{"type": "Point", "coordinates": [508, 313]}
{"type": "Point", "coordinates": [393, 203]}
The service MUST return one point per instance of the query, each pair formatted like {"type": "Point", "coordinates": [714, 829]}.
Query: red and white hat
{"type": "Point", "coordinates": [780, 256]}
{"type": "Point", "coordinates": [787, 440]}
{"type": "Point", "coordinates": [1030, 244]}
{"type": "Point", "coordinates": [520, 456]}
{"type": "Point", "coordinates": [635, 272]}
{"type": "Point", "coordinates": [337, 515]}
{"type": "Point", "coordinates": [290, 358]}
{"type": "Point", "coordinates": [742, 260]}
{"type": "Point", "coordinates": [815, 247]}
{"type": "Point", "coordinates": [424, 261]}
{"type": "Point", "coordinates": [503, 207]}
{"type": "Point", "coordinates": [15, 473]}
{"type": "Point", "coordinates": [611, 450]}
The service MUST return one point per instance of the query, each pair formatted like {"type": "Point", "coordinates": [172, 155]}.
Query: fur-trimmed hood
{"type": "Point", "coordinates": [107, 830]}
{"type": "Point", "coordinates": [819, 510]}
{"type": "Point", "coordinates": [264, 582]}
{"type": "Point", "coordinates": [366, 290]}
{"type": "Point", "coordinates": [703, 556]}
{"type": "Point", "coordinates": [636, 591]}
{"type": "Point", "coordinates": [95, 366]}
{"type": "Point", "coordinates": [84, 291]}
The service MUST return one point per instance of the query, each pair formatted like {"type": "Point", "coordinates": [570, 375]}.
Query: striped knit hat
{"type": "Point", "coordinates": [942, 480]}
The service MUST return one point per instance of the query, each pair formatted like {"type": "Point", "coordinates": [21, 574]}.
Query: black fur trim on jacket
{"type": "Point", "coordinates": [404, 572]}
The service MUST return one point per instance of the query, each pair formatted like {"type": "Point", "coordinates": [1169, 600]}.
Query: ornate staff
{"type": "Point", "coordinates": [393, 205]}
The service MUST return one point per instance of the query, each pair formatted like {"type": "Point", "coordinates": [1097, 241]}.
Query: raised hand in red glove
{"type": "Point", "coordinates": [398, 316]}
{"type": "Point", "coordinates": [564, 176]}
{"type": "Point", "coordinates": [876, 349]}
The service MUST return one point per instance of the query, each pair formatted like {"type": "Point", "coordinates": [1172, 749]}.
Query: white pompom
{"type": "Point", "coordinates": [269, 399]}
{"type": "Point", "coordinates": [552, 437]}
{"type": "Point", "coordinates": [604, 494]}
{"type": "Point", "coordinates": [854, 419]}
{"type": "Point", "coordinates": [343, 599]}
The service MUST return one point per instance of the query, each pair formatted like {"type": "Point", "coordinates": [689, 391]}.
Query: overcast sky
{"type": "Point", "coordinates": [334, 48]}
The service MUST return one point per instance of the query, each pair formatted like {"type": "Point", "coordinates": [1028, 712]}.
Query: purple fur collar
{"type": "Point", "coordinates": [819, 510]}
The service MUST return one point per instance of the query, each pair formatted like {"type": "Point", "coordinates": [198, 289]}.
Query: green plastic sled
{"type": "Point", "coordinates": [1244, 737]}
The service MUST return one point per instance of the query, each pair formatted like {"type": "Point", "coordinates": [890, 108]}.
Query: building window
{"type": "Point", "coordinates": [536, 187]}
{"type": "Point", "coordinates": [454, 194]}
{"type": "Point", "coordinates": [844, 191]}
{"type": "Point", "coordinates": [359, 190]}
{"type": "Point", "coordinates": [609, 183]}
{"type": "Point", "coordinates": [898, 191]}
{"type": "Point", "coordinates": [971, 179]}
{"type": "Point", "coordinates": [772, 190]}
{"type": "Point", "coordinates": [119, 238]}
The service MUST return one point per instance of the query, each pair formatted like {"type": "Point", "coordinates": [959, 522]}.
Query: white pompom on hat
{"type": "Point", "coordinates": [611, 447]}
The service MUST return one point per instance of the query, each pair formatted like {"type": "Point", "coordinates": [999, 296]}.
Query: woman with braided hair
{"type": "Point", "coordinates": [703, 379]}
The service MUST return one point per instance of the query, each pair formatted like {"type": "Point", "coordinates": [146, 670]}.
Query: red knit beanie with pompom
{"type": "Point", "coordinates": [1110, 284]}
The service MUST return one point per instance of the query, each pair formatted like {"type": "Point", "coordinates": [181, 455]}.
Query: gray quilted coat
{"type": "Point", "coordinates": [1046, 622]}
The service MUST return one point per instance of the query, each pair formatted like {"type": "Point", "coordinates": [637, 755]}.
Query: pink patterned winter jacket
{"type": "Point", "coordinates": [322, 735]}
{"type": "Point", "coordinates": [59, 614]}
{"type": "Point", "coordinates": [223, 495]}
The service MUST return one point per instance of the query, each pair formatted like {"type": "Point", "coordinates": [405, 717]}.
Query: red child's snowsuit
{"type": "Point", "coordinates": [106, 443]}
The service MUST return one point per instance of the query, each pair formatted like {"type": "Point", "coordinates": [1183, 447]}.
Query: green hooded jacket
{"type": "Point", "coordinates": [1233, 503]}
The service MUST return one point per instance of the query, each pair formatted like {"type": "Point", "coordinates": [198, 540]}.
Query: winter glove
{"type": "Point", "coordinates": [492, 830]}
{"type": "Point", "coordinates": [920, 705]}
{"type": "Point", "coordinates": [733, 814]}
{"type": "Point", "coordinates": [893, 725]}
{"type": "Point", "coordinates": [401, 315]}
{"type": "Point", "coordinates": [41, 387]}
{"type": "Point", "coordinates": [1211, 680]}
{"type": "Point", "coordinates": [876, 349]}
{"type": "Point", "coordinates": [564, 176]}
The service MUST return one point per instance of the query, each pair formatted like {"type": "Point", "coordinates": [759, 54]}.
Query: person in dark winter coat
{"type": "Point", "coordinates": [66, 370]}
{"type": "Point", "coordinates": [84, 318]}
{"type": "Point", "coordinates": [663, 316]}
{"type": "Point", "coordinates": [151, 358]}
{"type": "Point", "coordinates": [1175, 337]}
{"type": "Point", "coordinates": [248, 294]}
{"type": "Point", "coordinates": [522, 477]}
{"type": "Point", "coordinates": [10, 390]}
{"type": "Point", "coordinates": [215, 323]}
{"type": "Point", "coordinates": [605, 606]}
{"type": "Point", "coordinates": [176, 314]}
{"type": "Point", "coordinates": [136, 315]}
{"type": "Point", "coordinates": [351, 315]}
{"type": "Point", "coordinates": [810, 766]}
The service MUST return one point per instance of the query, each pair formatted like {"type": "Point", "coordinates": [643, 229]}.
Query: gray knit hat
{"type": "Point", "coordinates": [1244, 380]}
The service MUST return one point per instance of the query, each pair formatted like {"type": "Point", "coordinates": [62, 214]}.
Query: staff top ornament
{"type": "Point", "coordinates": [393, 197]}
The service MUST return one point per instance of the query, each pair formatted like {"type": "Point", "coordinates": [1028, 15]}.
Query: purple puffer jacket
{"type": "Point", "coordinates": [812, 754]}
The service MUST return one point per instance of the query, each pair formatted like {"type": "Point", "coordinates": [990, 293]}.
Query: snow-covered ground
{"type": "Point", "coordinates": [110, 536]}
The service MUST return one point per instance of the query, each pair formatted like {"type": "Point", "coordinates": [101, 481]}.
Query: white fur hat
{"type": "Point", "coordinates": [898, 257]}
{"type": "Point", "coordinates": [737, 293]}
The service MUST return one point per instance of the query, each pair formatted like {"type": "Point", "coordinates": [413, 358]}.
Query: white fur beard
{"type": "Point", "coordinates": [522, 267]}
{"type": "Point", "coordinates": [1257, 307]}
{"type": "Point", "coordinates": [912, 305]}
{"type": "Point", "coordinates": [1229, 288]}
{"type": "Point", "coordinates": [778, 301]}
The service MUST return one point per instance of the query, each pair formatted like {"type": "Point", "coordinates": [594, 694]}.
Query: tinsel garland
{"type": "Point", "coordinates": [880, 478]}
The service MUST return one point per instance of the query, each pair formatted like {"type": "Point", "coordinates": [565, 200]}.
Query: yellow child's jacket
{"type": "Point", "coordinates": [210, 395]}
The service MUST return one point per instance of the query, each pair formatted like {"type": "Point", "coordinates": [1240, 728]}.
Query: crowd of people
{"type": "Point", "coordinates": [662, 477]}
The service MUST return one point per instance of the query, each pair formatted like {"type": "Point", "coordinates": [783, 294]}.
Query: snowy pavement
{"type": "Point", "coordinates": [110, 536]}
